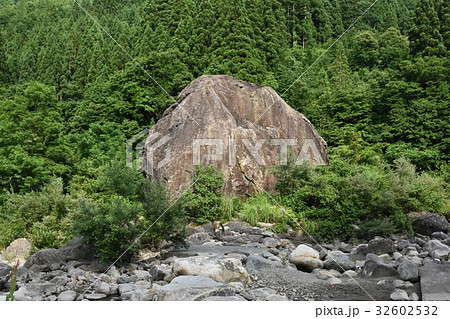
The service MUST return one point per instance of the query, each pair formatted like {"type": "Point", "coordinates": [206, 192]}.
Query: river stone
{"type": "Point", "coordinates": [408, 271]}
{"type": "Point", "coordinates": [255, 264]}
{"type": "Point", "coordinates": [271, 242]}
{"type": "Point", "coordinates": [95, 296]}
{"type": "Point", "coordinates": [262, 293]}
{"type": "Point", "coordinates": [381, 246]}
{"type": "Point", "coordinates": [339, 261]}
{"type": "Point", "coordinates": [399, 295]}
{"type": "Point", "coordinates": [225, 298]}
{"type": "Point", "coordinates": [375, 269]}
{"type": "Point", "coordinates": [19, 249]}
{"type": "Point", "coordinates": [427, 223]}
{"type": "Point", "coordinates": [221, 270]}
{"type": "Point", "coordinates": [68, 295]}
{"type": "Point", "coordinates": [437, 249]}
{"type": "Point", "coordinates": [305, 258]}
{"type": "Point", "coordinates": [159, 272]}
{"type": "Point", "coordinates": [238, 115]}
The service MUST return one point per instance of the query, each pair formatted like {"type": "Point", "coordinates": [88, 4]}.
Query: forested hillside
{"type": "Point", "coordinates": [70, 97]}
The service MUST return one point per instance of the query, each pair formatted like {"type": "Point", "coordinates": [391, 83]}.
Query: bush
{"type": "Point", "coordinates": [205, 199]}
{"type": "Point", "coordinates": [338, 197]}
{"type": "Point", "coordinates": [40, 216]}
{"type": "Point", "coordinates": [121, 221]}
{"type": "Point", "coordinates": [375, 227]}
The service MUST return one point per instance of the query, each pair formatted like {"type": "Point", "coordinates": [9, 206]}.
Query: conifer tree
{"type": "Point", "coordinates": [425, 35]}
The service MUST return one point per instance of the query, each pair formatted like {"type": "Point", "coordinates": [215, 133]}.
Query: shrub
{"type": "Point", "coordinates": [338, 197]}
{"type": "Point", "coordinates": [205, 199]}
{"type": "Point", "coordinates": [375, 227]}
{"type": "Point", "coordinates": [121, 221]}
{"type": "Point", "coordinates": [260, 208]}
{"type": "Point", "coordinates": [41, 216]}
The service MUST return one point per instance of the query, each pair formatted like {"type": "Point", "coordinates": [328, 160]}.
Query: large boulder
{"type": "Point", "coordinates": [305, 258]}
{"type": "Point", "coordinates": [255, 264]}
{"type": "Point", "coordinates": [408, 271]}
{"type": "Point", "coordinates": [427, 223]}
{"type": "Point", "coordinates": [241, 128]}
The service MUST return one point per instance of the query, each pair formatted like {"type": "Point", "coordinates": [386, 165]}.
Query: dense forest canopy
{"type": "Point", "coordinates": [70, 96]}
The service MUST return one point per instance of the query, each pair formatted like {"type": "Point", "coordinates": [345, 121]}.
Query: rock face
{"type": "Point", "coordinates": [241, 128]}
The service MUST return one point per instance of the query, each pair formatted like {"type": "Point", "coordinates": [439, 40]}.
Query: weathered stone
{"type": "Point", "coordinates": [19, 250]}
{"type": "Point", "coordinates": [221, 270]}
{"type": "Point", "coordinates": [221, 107]}
{"type": "Point", "coordinates": [68, 295]}
{"type": "Point", "coordinates": [439, 235]}
{"type": "Point", "coordinates": [339, 261]}
{"type": "Point", "coordinates": [380, 246]}
{"type": "Point", "coordinates": [21, 294]}
{"type": "Point", "coordinates": [276, 298]}
{"type": "Point", "coordinates": [427, 223]}
{"type": "Point", "coordinates": [408, 271]}
{"type": "Point", "coordinates": [362, 249]}
{"type": "Point", "coordinates": [95, 296]}
{"type": "Point", "coordinates": [374, 269]}
{"type": "Point", "coordinates": [402, 284]}
{"type": "Point", "coordinates": [305, 258]}
{"type": "Point", "coordinates": [271, 242]}
{"type": "Point", "coordinates": [435, 281]}
{"type": "Point", "coordinates": [255, 264]}
{"type": "Point", "coordinates": [399, 295]}
{"type": "Point", "coordinates": [437, 249]}
{"type": "Point", "coordinates": [262, 293]}
{"type": "Point", "coordinates": [103, 288]}
{"type": "Point", "coordinates": [159, 272]}
{"type": "Point", "coordinates": [198, 238]}
{"type": "Point", "coordinates": [142, 275]}
{"type": "Point", "coordinates": [45, 257]}
{"type": "Point", "coordinates": [225, 298]}
{"type": "Point", "coordinates": [334, 281]}
{"type": "Point", "coordinates": [350, 273]}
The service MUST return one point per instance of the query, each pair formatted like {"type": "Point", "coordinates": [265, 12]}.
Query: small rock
{"type": "Point", "coordinates": [374, 269]}
{"type": "Point", "coordinates": [339, 261]}
{"type": "Point", "coordinates": [396, 255]}
{"type": "Point", "coordinates": [271, 242]}
{"type": "Point", "coordinates": [439, 235]}
{"type": "Point", "coordinates": [362, 249]}
{"type": "Point", "coordinates": [414, 297]}
{"type": "Point", "coordinates": [402, 284]}
{"type": "Point", "coordinates": [103, 288]}
{"type": "Point", "coordinates": [350, 273]}
{"type": "Point", "coordinates": [380, 246]}
{"type": "Point", "coordinates": [276, 298]}
{"type": "Point", "coordinates": [305, 258]}
{"type": "Point", "coordinates": [261, 293]}
{"type": "Point", "coordinates": [381, 282]}
{"type": "Point", "coordinates": [95, 296]}
{"type": "Point", "coordinates": [334, 281]}
{"type": "Point", "coordinates": [408, 271]}
{"type": "Point", "coordinates": [322, 274]}
{"type": "Point", "coordinates": [142, 275]}
{"type": "Point", "coordinates": [399, 295]}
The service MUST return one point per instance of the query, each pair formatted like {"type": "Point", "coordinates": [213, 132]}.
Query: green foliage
{"type": "Point", "coordinates": [44, 216]}
{"type": "Point", "coordinates": [205, 199]}
{"type": "Point", "coordinates": [129, 213]}
{"type": "Point", "coordinates": [375, 227]}
{"type": "Point", "coordinates": [347, 194]}
{"type": "Point", "coordinates": [258, 208]}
